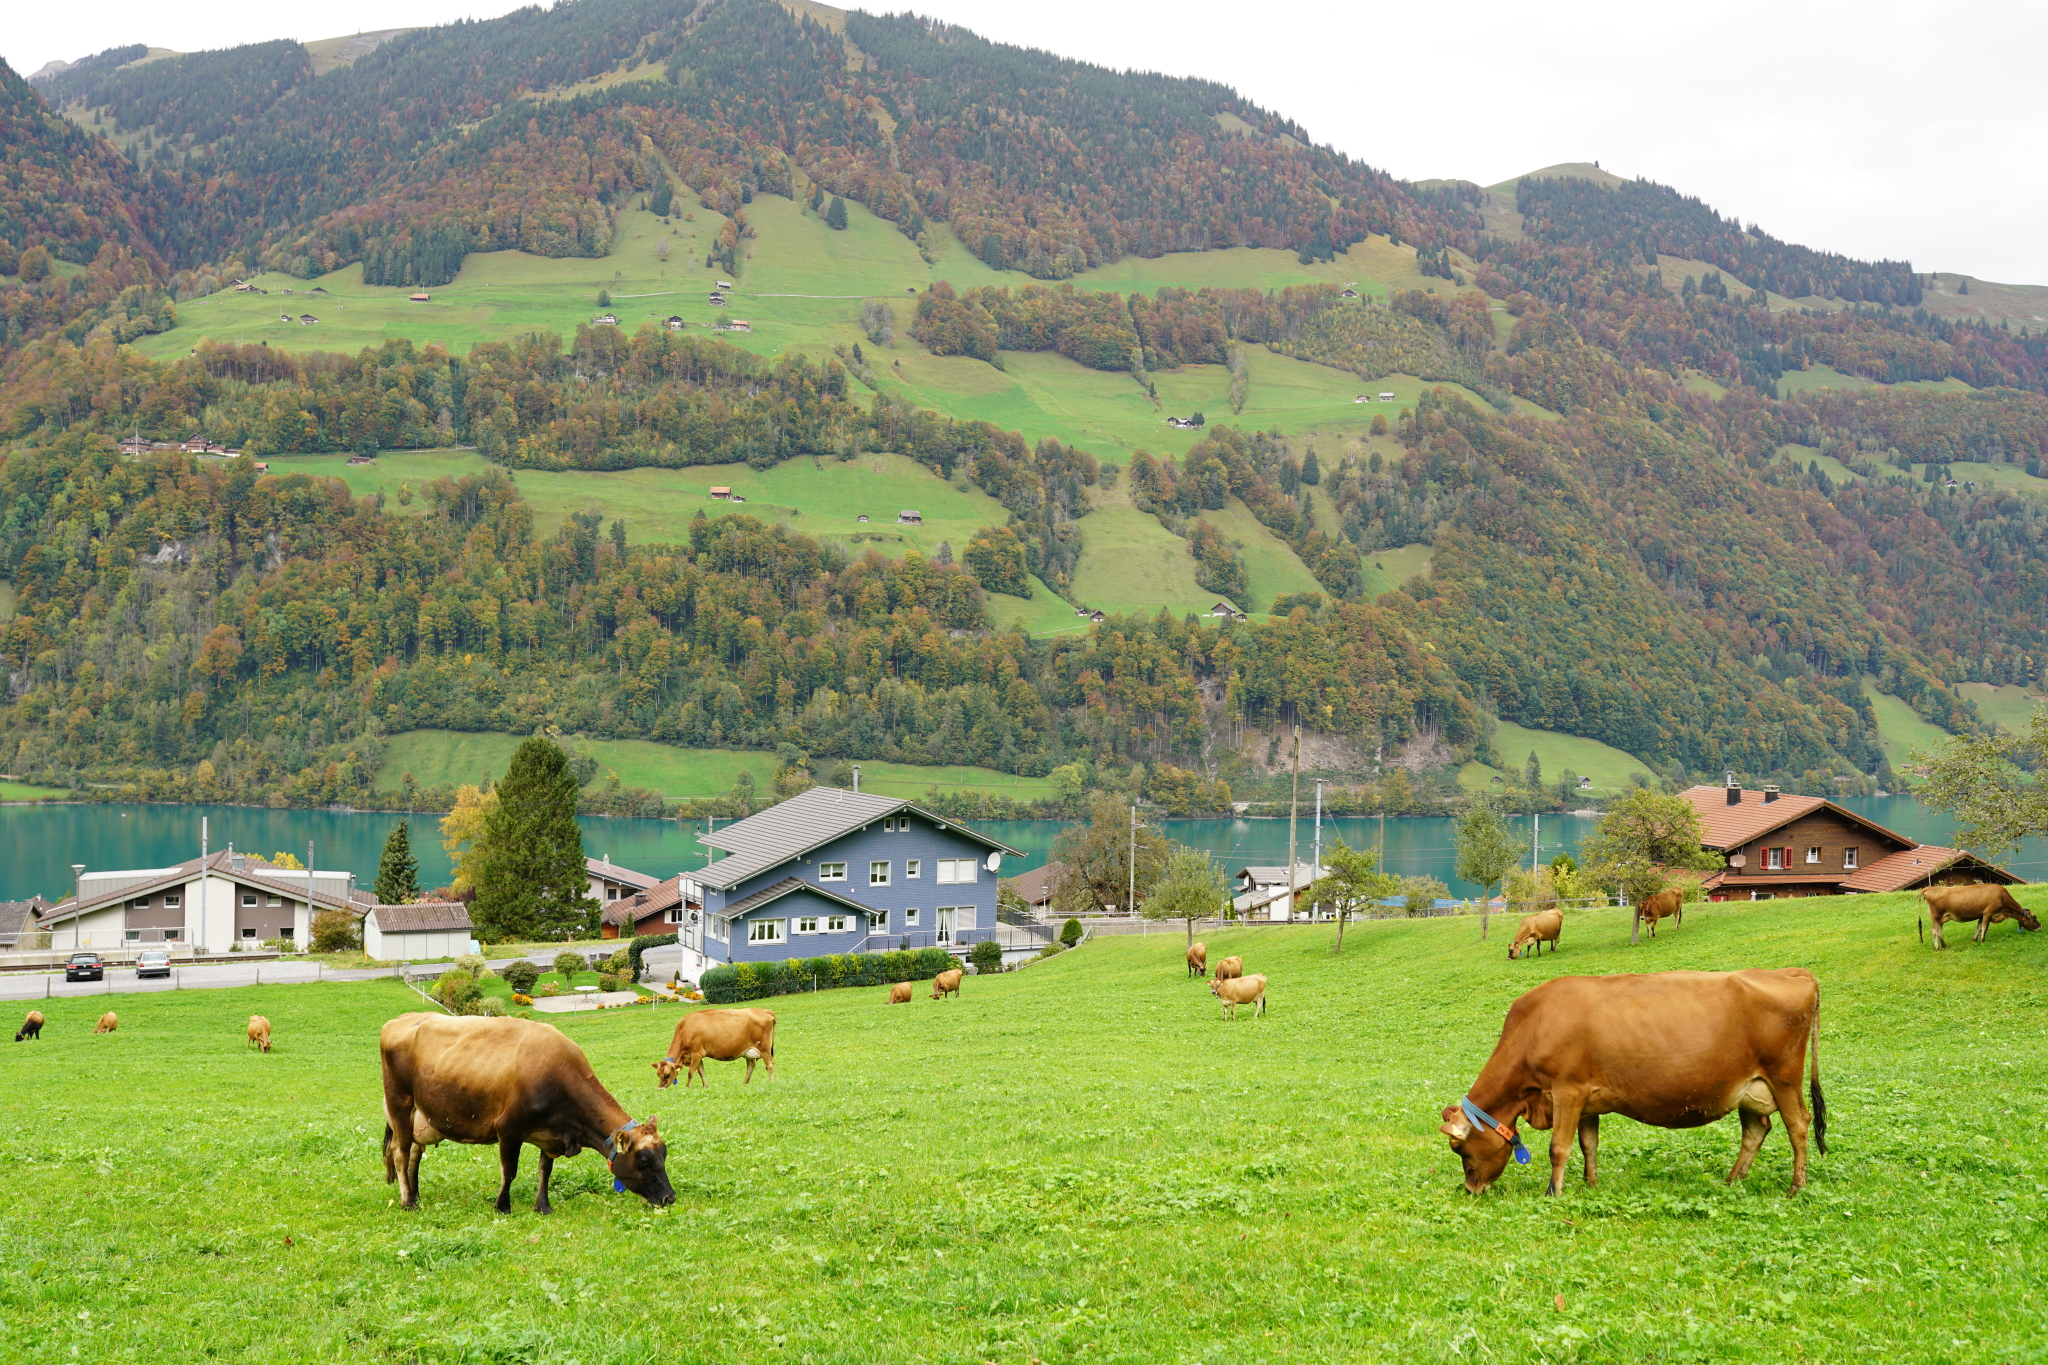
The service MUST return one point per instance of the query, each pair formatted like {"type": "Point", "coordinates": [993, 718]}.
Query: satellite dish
{"type": "Point", "coordinates": [1737, 861]}
{"type": "Point", "coordinates": [995, 861]}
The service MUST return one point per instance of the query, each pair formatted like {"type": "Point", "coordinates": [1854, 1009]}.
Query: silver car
{"type": "Point", "coordinates": [152, 962]}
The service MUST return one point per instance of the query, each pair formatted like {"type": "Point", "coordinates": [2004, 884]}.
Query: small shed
{"type": "Point", "coordinates": [721, 492]}
{"type": "Point", "coordinates": [1223, 609]}
{"type": "Point", "coordinates": [675, 322]}
{"type": "Point", "coordinates": [607, 319]}
{"type": "Point", "coordinates": [1098, 616]}
{"type": "Point", "coordinates": [1347, 294]}
{"type": "Point", "coordinates": [738, 325]}
{"type": "Point", "coordinates": [413, 933]}
{"type": "Point", "coordinates": [862, 517]}
{"type": "Point", "coordinates": [1386, 398]}
{"type": "Point", "coordinates": [307, 319]}
{"type": "Point", "coordinates": [910, 516]}
{"type": "Point", "coordinates": [421, 297]}
{"type": "Point", "coordinates": [723, 284]}
{"type": "Point", "coordinates": [716, 301]}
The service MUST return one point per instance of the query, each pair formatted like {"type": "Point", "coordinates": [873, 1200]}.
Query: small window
{"type": "Point", "coordinates": [1813, 854]}
{"type": "Point", "coordinates": [807, 924]}
{"type": "Point", "coordinates": [878, 874]}
{"type": "Point", "coordinates": [956, 871]}
{"type": "Point", "coordinates": [173, 935]}
{"type": "Point", "coordinates": [611, 893]}
{"type": "Point", "coordinates": [173, 901]}
{"type": "Point", "coordinates": [1852, 857]}
{"type": "Point", "coordinates": [913, 868]}
{"type": "Point", "coordinates": [1774, 860]}
{"type": "Point", "coordinates": [910, 917]}
{"type": "Point", "coordinates": [132, 935]}
{"type": "Point", "coordinates": [248, 900]}
{"type": "Point", "coordinates": [285, 932]}
{"type": "Point", "coordinates": [720, 930]}
{"type": "Point", "coordinates": [878, 921]}
{"type": "Point", "coordinates": [248, 933]}
{"type": "Point", "coordinates": [963, 917]}
{"type": "Point", "coordinates": [273, 901]}
{"type": "Point", "coordinates": [764, 931]}
{"type": "Point", "coordinates": [835, 924]}
{"type": "Point", "coordinates": [831, 872]}
{"type": "Point", "coordinates": [674, 915]}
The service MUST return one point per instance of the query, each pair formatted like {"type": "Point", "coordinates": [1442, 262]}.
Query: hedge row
{"type": "Point", "coordinates": [640, 945]}
{"type": "Point", "coordinates": [757, 980]}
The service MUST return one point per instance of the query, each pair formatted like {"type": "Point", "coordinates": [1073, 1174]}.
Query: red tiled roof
{"type": "Point", "coordinates": [638, 906]}
{"type": "Point", "coordinates": [1897, 871]}
{"type": "Point", "coordinates": [1035, 886]}
{"type": "Point", "coordinates": [1723, 826]}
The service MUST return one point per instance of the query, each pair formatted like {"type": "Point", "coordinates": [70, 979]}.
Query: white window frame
{"type": "Point", "coordinates": [777, 930]}
{"type": "Point", "coordinates": [837, 923]}
{"type": "Point", "coordinates": [1774, 858]}
{"type": "Point", "coordinates": [249, 932]}
{"type": "Point", "coordinates": [806, 924]}
{"type": "Point", "coordinates": [673, 915]}
{"type": "Point", "coordinates": [721, 930]}
{"type": "Point", "coordinates": [131, 935]}
{"type": "Point", "coordinates": [878, 872]}
{"type": "Point", "coordinates": [831, 872]}
{"type": "Point", "coordinates": [1813, 854]}
{"type": "Point", "coordinates": [963, 917]}
{"type": "Point", "coordinates": [248, 900]}
{"type": "Point", "coordinates": [174, 935]}
{"type": "Point", "coordinates": [1852, 857]}
{"type": "Point", "coordinates": [913, 869]}
{"type": "Point", "coordinates": [284, 931]}
{"type": "Point", "coordinates": [878, 921]}
{"type": "Point", "coordinates": [909, 917]}
{"type": "Point", "coordinates": [173, 901]}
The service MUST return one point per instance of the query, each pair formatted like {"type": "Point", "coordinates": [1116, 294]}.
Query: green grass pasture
{"type": "Point", "coordinates": [1900, 729]}
{"type": "Point", "coordinates": [2010, 706]}
{"type": "Point", "coordinates": [24, 791]}
{"type": "Point", "coordinates": [1080, 1161]}
{"type": "Point", "coordinates": [1386, 570]}
{"type": "Point", "coordinates": [1608, 766]}
{"type": "Point", "coordinates": [1041, 614]}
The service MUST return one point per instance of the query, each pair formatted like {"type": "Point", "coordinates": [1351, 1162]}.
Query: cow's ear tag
{"type": "Point", "coordinates": [1521, 1153]}
{"type": "Point", "coordinates": [619, 1186]}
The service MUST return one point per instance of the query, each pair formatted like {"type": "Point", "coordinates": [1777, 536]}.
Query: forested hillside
{"type": "Point", "coordinates": [1697, 519]}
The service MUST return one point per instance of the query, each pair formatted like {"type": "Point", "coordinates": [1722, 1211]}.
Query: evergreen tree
{"type": "Point", "coordinates": [661, 200]}
{"type": "Point", "coordinates": [604, 298]}
{"type": "Point", "coordinates": [835, 217]}
{"type": "Point", "coordinates": [531, 883]}
{"type": "Point", "coordinates": [1311, 469]}
{"type": "Point", "coordinates": [398, 872]}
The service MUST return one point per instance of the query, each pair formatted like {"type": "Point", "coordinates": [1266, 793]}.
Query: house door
{"type": "Point", "coordinates": [945, 924]}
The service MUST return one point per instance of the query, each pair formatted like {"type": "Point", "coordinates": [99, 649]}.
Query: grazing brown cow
{"type": "Point", "coordinates": [476, 1079]}
{"type": "Point", "coordinates": [723, 1036]}
{"type": "Point", "coordinates": [1670, 901]}
{"type": "Point", "coordinates": [947, 983]}
{"type": "Point", "coordinates": [1536, 930]}
{"type": "Point", "coordinates": [1198, 959]}
{"type": "Point", "coordinates": [1672, 1049]}
{"type": "Point", "coordinates": [1229, 968]}
{"type": "Point", "coordinates": [259, 1031]}
{"type": "Point", "coordinates": [1240, 990]}
{"type": "Point", "coordinates": [1985, 903]}
{"type": "Point", "coordinates": [899, 994]}
{"type": "Point", "coordinates": [108, 1023]}
{"type": "Point", "coordinates": [31, 1027]}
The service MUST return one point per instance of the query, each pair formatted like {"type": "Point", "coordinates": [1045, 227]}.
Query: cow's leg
{"type": "Point", "coordinates": [1565, 1106]}
{"type": "Point", "coordinates": [1756, 1126]}
{"type": "Point", "coordinates": [750, 1072]}
{"type": "Point", "coordinates": [1589, 1145]}
{"type": "Point", "coordinates": [1934, 928]}
{"type": "Point", "coordinates": [1983, 925]}
{"type": "Point", "coordinates": [1797, 1121]}
{"type": "Point", "coordinates": [508, 1166]}
{"type": "Point", "coordinates": [540, 1198]}
{"type": "Point", "coordinates": [409, 1183]}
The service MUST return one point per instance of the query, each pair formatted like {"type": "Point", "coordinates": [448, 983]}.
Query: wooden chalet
{"type": "Point", "coordinates": [1775, 845]}
{"type": "Point", "coordinates": [661, 909]}
{"type": "Point", "coordinates": [910, 516]}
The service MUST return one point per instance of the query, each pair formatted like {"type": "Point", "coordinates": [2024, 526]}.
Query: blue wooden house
{"type": "Point", "coordinates": [835, 871]}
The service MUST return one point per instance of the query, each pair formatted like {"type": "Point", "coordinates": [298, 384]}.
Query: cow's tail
{"type": "Point", "coordinates": [390, 1164]}
{"type": "Point", "coordinates": [1820, 1104]}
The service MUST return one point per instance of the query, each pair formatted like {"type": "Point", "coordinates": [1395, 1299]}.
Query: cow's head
{"type": "Point", "coordinates": [640, 1163]}
{"type": "Point", "coordinates": [666, 1070]}
{"type": "Point", "coordinates": [2026, 917]}
{"type": "Point", "coordinates": [1216, 986]}
{"type": "Point", "coordinates": [1483, 1151]}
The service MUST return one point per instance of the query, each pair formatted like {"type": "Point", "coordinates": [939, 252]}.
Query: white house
{"type": "Point", "coordinates": [609, 881]}
{"type": "Point", "coordinates": [418, 932]}
{"type": "Point", "coordinates": [208, 905]}
{"type": "Point", "coordinates": [1263, 892]}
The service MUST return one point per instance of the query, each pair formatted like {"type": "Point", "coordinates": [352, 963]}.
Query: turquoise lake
{"type": "Point", "coordinates": [40, 842]}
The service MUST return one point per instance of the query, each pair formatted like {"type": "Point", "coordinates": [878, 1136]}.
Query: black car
{"type": "Point", "coordinates": [85, 967]}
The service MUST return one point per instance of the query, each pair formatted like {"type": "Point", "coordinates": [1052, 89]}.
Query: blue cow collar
{"type": "Point", "coordinates": [1486, 1120]}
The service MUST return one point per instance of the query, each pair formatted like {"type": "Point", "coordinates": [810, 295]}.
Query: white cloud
{"type": "Point", "coordinates": [1904, 129]}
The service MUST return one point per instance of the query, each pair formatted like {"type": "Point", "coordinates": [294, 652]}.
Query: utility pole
{"type": "Point", "coordinates": [1316, 860]}
{"type": "Point", "coordinates": [202, 945]}
{"type": "Point", "coordinates": [309, 894]}
{"type": "Point", "coordinates": [1131, 866]}
{"type": "Point", "coordinates": [1293, 815]}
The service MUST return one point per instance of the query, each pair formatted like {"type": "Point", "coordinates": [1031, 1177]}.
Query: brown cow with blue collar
{"type": "Point", "coordinates": [721, 1035]}
{"type": "Point", "coordinates": [475, 1079]}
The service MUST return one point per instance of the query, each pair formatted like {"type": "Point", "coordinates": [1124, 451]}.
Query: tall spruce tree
{"type": "Point", "coordinates": [398, 872]}
{"type": "Point", "coordinates": [531, 883]}
{"type": "Point", "coordinates": [835, 217]}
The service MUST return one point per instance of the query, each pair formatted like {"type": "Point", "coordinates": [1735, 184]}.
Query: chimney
{"type": "Point", "coordinates": [1770, 794]}
{"type": "Point", "coordinates": [1734, 791]}
{"type": "Point", "coordinates": [856, 777]}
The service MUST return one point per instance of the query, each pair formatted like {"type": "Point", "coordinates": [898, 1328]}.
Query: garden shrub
{"type": "Point", "coordinates": [520, 976]}
{"type": "Point", "coordinates": [473, 963]}
{"type": "Point", "coordinates": [929, 962]}
{"type": "Point", "coordinates": [494, 1007]}
{"type": "Point", "coordinates": [569, 964]}
{"type": "Point", "coordinates": [456, 989]}
{"type": "Point", "coordinates": [335, 931]}
{"type": "Point", "coordinates": [606, 981]}
{"type": "Point", "coordinates": [987, 956]}
{"type": "Point", "coordinates": [619, 961]}
{"type": "Point", "coordinates": [1052, 949]}
{"type": "Point", "coordinates": [1070, 932]}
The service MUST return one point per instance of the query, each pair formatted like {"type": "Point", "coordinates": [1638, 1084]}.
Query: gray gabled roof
{"type": "Point", "coordinates": [746, 905]}
{"type": "Point", "coordinates": [421, 917]}
{"type": "Point", "coordinates": [243, 868]}
{"type": "Point", "coordinates": [808, 820]}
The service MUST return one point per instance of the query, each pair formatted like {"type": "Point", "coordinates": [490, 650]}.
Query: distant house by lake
{"type": "Point", "coordinates": [421, 298]}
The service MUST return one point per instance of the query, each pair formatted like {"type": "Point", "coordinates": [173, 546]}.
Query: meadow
{"type": "Point", "coordinates": [1078, 1161]}
{"type": "Point", "coordinates": [1608, 766]}
{"type": "Point", "coordinates": [437, 756]}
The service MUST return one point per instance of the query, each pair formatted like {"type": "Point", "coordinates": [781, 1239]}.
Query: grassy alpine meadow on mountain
{"type": "Point", "coordinates": [1572, 455]}
{"type": "Point", "coordinates": [1273, 1188]}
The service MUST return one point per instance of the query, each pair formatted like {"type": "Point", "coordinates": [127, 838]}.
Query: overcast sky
{"type": "Point", "coordinates": [1905, 129]}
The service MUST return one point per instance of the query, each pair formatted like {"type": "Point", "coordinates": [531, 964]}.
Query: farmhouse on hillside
{"type": "Point", "coordinates": [229, 897]}
{"type": "Point", "coordinates": [1776, 845]}
{"type": "Point", "coordinates": [910, 516]}
{"type": "Point", "coordinates": [837, 871]}
{"type": "Point", "coordinates": [663, 908]}
{"type": "Point", "coordinates": [607, 320]}
{"type": "Point", "coordinates": [1263, 892]}
{"type": "Point", "coordinates": [675, 322]}
{"type": "Point", "coordinates": [420, 298]}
